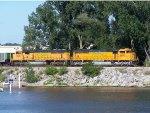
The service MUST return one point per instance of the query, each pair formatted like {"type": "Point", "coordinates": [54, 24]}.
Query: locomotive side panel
{"type": "Point", "coordinates": [28, 57]}
{"type": "Point", "coordinates": [41, 56]}
{"type": "Point", "coordinates": [93, 56]}
{"type": "Point", "coordinates": [17, 57]}
{"type": "Point", "coordinates": [102, 56]}
{"type": "Point", "coordinates": [66, 56]}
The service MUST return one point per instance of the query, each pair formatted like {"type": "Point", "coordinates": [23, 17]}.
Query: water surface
{"type": "Point", "coordinates": [75, 100]}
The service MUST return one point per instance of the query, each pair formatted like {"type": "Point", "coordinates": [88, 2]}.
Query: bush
{"type": "Point", "coordinates": [10, 71]}
{"type": "Point", "coordinates": [147, 63]}
{"type": "Point", "coordinates": [51, 70]}
{"type": "Point", "coordinates": [31, 77]}
{"type": "Point", "coordinates": [1, 70]}
{"type": "Point", "coordinates": [48, 82]}
{"type": "Point", "coordinates": [2, 77]}
{"type": "Point", "coordinates": [63, 70]}
{"type": "Point", "coordinates": [91, 70]}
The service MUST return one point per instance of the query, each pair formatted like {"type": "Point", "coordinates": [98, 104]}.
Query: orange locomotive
{"type": "Point", "coordinates": [57, 57]}
{"type": "Point", "coordinates": [121, 57]}
{"type": "Point", "coordinates": [63, 57]}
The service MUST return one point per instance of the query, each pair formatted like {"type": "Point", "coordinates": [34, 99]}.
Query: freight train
{"type": "Point", "coordinates": [72, 58]}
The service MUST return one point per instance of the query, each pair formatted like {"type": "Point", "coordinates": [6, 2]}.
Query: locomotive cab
{"type": "Point", "coordinates": [127, 55]}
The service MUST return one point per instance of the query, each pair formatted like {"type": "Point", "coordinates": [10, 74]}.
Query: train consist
{"type": "Point", "coordinates": [63, 57]}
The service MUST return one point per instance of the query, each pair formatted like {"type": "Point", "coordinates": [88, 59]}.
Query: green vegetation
{"type": "Point", "coordinates": [59, 81]}
{"type": "Point", "coordinates": [41, 72]}
{"type": "Point", "coordinates": [91, 70]}
{"type": "Point", "coordinates": [63, 70]}
{"type": "Point", "coordinates": [51, 70]}
{"type": "Point", "coordinates": [1, 70]}
{"type": "Point", "coordinates": [147, 72]}
{"type": "Point", "coordinates": [10, 71]}
{"type": "Point", "coordinates": [83, 22]}
{"type": "Point", "coordinates": [2, 77]}
{"type": "Point", "coordinates": [30, 75]}
{"type": "Point", "coordinates": [48, 82]}
{"type": "Point", "coordinates": [147, 63]}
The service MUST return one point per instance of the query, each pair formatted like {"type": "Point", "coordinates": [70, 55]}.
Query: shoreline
{"type": "Point", "coordinates": [109, 77]}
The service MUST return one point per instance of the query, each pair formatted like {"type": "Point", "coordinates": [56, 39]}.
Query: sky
{"type": "Point", "coordinates": [13, 18]}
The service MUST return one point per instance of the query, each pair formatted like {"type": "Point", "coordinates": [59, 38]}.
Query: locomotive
{"type": "Point", "coordinates": [72, 58]}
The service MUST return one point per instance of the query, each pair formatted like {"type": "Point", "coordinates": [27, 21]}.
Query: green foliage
{"type": "Point", "coordinates": [63, 70]}
{"type": "Point", "coordinates": [30, 75]}
{"type": "Point", "coordinates": [48, 82]}
{"type": "Point", "coordinates": [51, 70]}
{"type": "Point", "coordinates": [91, 70]}
{"type": "Point", "coordinates": [59, 81]}
{"type": "Point", "coordinates": [147, 63]}
{"type": "Point", "coordinates": [76, 24]}
{"type": "Point", "coordinates": [10, 71]}
{"type": "Point", "coordinates": [1, 70]}
{"type": "Point", "coordinates": [2, 77]}
{"type": "Point", "coordinates": [41, 72]}
{"type": "Point", "coordinates": [83, 28]}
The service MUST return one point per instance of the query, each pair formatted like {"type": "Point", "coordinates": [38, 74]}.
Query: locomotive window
{"type": "Point", "coordinates": [128, 51]}
{"type": "Point", "coordinates": [122, 51]}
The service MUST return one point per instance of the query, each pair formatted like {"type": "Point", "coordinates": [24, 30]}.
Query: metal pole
{"type": "Point", "coordinates": [10, 87]}
{"type": "Point", "coordinates": [19, 80]}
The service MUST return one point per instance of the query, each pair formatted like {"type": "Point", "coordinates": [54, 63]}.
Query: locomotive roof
{"type": "Point", "coordinates": [10, 49]}
{"type": "Point", "coordinates": [102, 50]}
{"type": "Point", "coordinates": [44, 51]}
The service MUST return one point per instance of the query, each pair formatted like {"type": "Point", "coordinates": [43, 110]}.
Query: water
{"type": "Point", "coordinates": [75, 100]}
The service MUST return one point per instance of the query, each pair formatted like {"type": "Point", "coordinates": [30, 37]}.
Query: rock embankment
{"type": "Point", "coordinates": [109, 76]}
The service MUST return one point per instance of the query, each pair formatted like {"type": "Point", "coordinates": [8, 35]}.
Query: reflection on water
{"type": "Point", "coordinates": [75, 100]}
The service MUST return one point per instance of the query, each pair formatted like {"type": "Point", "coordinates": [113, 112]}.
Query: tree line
{"type": "Point", "coordinates": [77, 24]}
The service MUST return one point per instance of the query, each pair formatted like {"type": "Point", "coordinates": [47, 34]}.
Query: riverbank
{"type": "Point", "coordinates": [109, 76]}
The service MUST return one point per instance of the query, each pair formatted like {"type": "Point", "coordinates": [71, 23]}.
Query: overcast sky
{"type": "Point", "coordinates": [13, 18]}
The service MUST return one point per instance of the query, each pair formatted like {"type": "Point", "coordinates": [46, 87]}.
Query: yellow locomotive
{"type": "Point", "coordinates": [121, 57]}
{"type": "Point", "coordinates": [62, 57]}
{"type": "Point", "coordinates": [56, 57]}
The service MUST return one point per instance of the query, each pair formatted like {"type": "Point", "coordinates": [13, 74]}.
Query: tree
{"type": "Point", "coordinates": [131, 24]}
{"type": "Point", "coordinates": [42, 26]}
{"type": "Point", "coordinates": [75, 24]}
{"type": "Point", "coordinates": [83, 26]}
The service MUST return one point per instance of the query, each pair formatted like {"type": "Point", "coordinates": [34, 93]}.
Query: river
{"type": "Point", "coordinates": [75, 100]}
